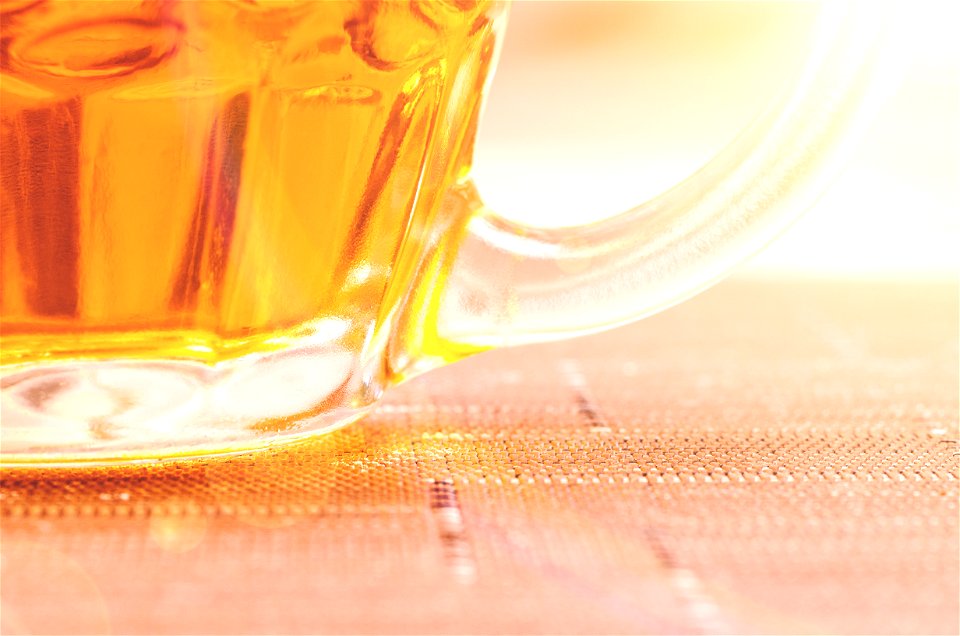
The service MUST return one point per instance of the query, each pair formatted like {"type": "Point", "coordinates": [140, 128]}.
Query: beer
{"type": "Point", "coordinates": [204, 179]}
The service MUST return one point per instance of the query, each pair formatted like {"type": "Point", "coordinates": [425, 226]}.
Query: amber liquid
{"type": "Point", "coordinates": [202, 179]}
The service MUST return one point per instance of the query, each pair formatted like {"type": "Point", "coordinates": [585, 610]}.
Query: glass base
{"type": "Point", "coordinates": [105, 412]}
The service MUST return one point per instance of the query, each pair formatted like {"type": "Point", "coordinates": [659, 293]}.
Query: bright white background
{"type": "Point", "coordinates": [599, 105]}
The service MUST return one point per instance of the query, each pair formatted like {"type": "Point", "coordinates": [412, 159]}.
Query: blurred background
{"type": "Point", "coordinates": [597, 106]}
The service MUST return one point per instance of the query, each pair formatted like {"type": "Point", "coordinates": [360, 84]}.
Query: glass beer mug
{"type": "Point", "coordinates": [230, 223]}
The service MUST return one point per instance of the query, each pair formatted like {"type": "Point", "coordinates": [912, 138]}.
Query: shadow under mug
{"type": "Point", "coordinates": [232, 223]}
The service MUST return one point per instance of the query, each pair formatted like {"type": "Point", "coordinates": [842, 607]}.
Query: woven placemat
{"type": "Point", "coordinates": [767, 458]}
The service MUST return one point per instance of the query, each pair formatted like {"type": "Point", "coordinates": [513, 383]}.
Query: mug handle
{"type": "Point", "coordinates": [498, 283]}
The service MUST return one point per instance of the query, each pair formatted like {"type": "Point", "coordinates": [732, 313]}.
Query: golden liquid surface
{"type": "Point", "coordinates": [200, 179]}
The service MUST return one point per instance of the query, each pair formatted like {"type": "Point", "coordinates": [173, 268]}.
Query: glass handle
{"type": "Point", "coordinates": [498, 283]}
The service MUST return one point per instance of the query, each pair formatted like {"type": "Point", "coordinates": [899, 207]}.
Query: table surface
{"type": "Point", "coordinates": [770, 457]}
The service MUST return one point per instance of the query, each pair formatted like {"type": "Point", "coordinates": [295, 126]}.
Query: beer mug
{"type": "Point", "coordinates": [231, 223]}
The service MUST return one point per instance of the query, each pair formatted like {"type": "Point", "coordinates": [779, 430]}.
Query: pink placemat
{"type": "Point", "coordinates": [767, 458]}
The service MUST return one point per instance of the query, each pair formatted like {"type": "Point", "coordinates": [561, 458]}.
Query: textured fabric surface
{"type": "Point", "coordinates": [767, 458]}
